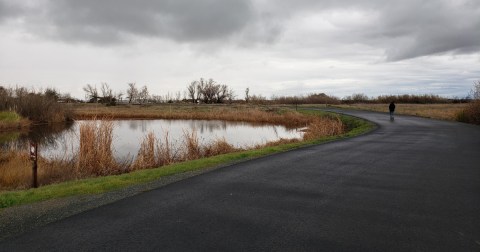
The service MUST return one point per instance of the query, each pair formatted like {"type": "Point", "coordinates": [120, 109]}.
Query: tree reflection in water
{"type": "Point", "coordinates": [46, 136]}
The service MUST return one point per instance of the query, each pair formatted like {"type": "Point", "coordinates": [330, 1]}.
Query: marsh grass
{"type": "Point", "coordinates": [254, 115]}
{"type": "Point", "coordinates": [95, 154]}
{"type": "Point", "coordinates": [321, 127]}
{"type": "Point", "coordinates": [16, 170]}
{"type": "Point", "coordinates": [11, 120]}
{"type": "Point", "coordinates": [155, 152]}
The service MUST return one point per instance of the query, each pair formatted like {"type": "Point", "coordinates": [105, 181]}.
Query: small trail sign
{"type": "Point", "coordinates": [33, 157]}
{"type": "Point", "coordinates": [33, 151]}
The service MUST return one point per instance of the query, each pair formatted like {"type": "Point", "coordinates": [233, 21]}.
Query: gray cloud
{"type": "Point", "coordinates": [8, 10]}
{"type": "Point", "coordinates": [430, 27]}
{"type": "Point", "coordinates": [113, 21]}
{"type": "Point", "coordinates": [93, 20]}
{"type": "Point", "coordinates": [403, 29]}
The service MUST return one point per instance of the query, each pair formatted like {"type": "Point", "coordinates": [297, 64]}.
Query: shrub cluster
{"type": "Point", "coordinates": [36, 106]}
{"type": "Point", "coordinates": [471, 114]}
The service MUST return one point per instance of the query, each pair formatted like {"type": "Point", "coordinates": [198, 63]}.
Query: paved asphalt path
{"type": "Point", "coordinates": [411, 185]}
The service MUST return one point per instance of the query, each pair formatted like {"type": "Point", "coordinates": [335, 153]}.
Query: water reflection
{"type": "Point", "coordinates": [51, 135]}
{"type": "Point", "coordinates": [62, 139]}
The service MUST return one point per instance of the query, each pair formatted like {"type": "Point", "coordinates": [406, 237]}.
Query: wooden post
{"type": "Point", "coordinates": [33, 157]}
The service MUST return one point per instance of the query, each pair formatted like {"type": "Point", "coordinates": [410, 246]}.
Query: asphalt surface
{"type": "Point", "coordinates": [411, 185]}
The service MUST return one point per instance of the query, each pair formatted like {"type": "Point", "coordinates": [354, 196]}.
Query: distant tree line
{"type": "Point", "coordinates": [405, 98]}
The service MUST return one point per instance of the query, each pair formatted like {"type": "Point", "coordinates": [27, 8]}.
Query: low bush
{"type": "Point", "coordinates": [36, 106]}
{"type": "Point", "coordinates": [471, 114]}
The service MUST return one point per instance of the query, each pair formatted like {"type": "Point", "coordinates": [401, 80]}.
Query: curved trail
{"type": "Point", "coordinates": [412, 184]}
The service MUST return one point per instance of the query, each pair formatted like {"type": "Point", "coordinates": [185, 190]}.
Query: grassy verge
{"type": "Point", "coordinates": [11, 120]}
{"type": "Point", "coordinates": [104, 184]}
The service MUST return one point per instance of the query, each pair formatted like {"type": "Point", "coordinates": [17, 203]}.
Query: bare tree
{"type": "Point", "coordinates": [475, 91]}
{"type": "Point", "coordinates": [192, 91]}
{"type": "Point", "coordinates": [143, 95]}
{"type": "Point", "coordinates": [221, 93]}
{"type": "Point", "coordinates": [132, 92]}
{"type": "Point", "coordinates": [118, 95]}
{"type": "Point", "coordinates": [168, 98]}
{"type": "Point", "coordinates": [91, 93]}
{"type": "Point", "coordinates": [107, 94]}
{"type": "Point", "coordinates": [178, 96]}
{"type": "Point", "coordinates": [230, 95]}
{"type": "Point", "coordinates": [247, 94]}
{"type": "Point", "coordinates": [210, 91]}
{"type": "Point", "coordinates": [200, 88]}
{"type": "Point", "coordinates": [157, 98]}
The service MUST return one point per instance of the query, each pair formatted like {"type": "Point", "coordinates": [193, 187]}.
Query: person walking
{"type": "Point", "coordinates": [391, 107]}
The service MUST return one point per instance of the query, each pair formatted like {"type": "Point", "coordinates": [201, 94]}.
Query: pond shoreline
{"type": "Point", "coordinates": [18, 218]}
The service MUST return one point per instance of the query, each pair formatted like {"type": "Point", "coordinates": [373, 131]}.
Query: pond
{"type": "Point", "coordinates": [61, 141]}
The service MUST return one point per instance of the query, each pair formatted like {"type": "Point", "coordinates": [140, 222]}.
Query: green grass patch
{"type": "Point", "coordinates": [9, 117]}
{"type": "Point", "coordinates": [98, 185]}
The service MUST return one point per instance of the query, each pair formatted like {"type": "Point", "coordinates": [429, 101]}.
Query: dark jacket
{"type": "Point", "coordinates": [392, 107]}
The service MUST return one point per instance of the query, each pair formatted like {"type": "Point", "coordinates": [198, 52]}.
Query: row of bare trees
{"type": "Point", "coordinates": [108, 96]}
{"type": "Point", "coordinates": [208, 91]}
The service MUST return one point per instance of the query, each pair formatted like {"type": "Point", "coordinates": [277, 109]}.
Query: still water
{"type": "Point", "coordinates": [128, 135]}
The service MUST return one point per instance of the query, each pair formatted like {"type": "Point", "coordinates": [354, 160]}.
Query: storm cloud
{"type": "Point", "coordinates": [403, 29]}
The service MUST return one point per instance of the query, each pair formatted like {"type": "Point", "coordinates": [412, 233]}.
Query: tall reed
{"type": "Point", "coordinates": [95, 155]}
{"type": "Point", "coordinates": [146, 156]}
{"type": "Point", "coordinates": [192, 145]}
{"type": "Point", "coordinates": [321, 128]}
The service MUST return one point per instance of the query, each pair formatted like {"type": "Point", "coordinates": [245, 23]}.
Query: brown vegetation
{"type": "Point", "coordinates": [36, 106]}
{"type": "Point", "coordinates": [95, 155]}
{"type": "Point", "coordinates": [240, 113]}
{"type": "Point", "coordinates": [471, 113]}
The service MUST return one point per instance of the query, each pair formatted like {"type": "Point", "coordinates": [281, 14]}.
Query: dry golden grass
{"type": "Point", "coordinates": [218, 147]}
{"type": "Point", "coordinates": [16, 170]}
{"type": "Point", "coordinates": [447, 111]}
{"type": "Point", "coordinates": [95, 155]}
{"type": "Point", "coordinates": [240, 113]}
{"type": "Point", "coordinates": [320, 127]}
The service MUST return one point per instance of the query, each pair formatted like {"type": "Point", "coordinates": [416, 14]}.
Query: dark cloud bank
{"type": "Point", "coordinates": [404, 29]}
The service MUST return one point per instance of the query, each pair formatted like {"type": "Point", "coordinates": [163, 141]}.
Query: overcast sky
{"type": "Point", "coordinates": [274, 47]}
